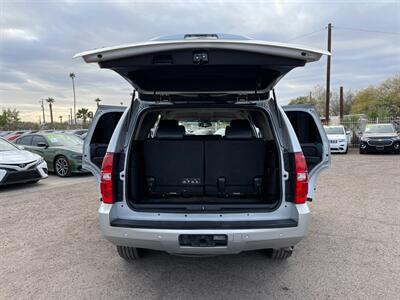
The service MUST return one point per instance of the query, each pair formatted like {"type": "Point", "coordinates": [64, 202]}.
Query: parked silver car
{"type": "Point", "coordinates": [19, 166]}
{"type": "Point", "coordinates": [166, 188]}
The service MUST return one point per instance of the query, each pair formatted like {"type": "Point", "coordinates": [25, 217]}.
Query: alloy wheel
{"type": "Point", "coordinates": [62, 167]}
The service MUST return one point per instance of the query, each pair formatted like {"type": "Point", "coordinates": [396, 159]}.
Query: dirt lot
{"type": "Point", "coordinates": [51, 246]}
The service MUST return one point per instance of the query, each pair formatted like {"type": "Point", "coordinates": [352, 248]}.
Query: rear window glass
{"type": "Point", "coordinates": [204, 127]}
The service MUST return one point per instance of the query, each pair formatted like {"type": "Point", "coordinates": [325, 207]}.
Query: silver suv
{"type": "Point", "coordinates": [204, 161]}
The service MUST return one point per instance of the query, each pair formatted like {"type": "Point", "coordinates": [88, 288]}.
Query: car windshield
{"type": "Point", "coordinates": [57, 139]}
{"type": "Point", "coordinates": [334, 130]}
{"type": "Point", "coordinates": [379, 128]}
{"type": "Point", "coordinates": [6, 146]}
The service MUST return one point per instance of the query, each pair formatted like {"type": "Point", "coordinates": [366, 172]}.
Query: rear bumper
{"type": "Point", "coordinates": [241, 237]}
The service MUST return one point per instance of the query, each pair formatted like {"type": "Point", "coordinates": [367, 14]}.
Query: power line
{"type": "Point", "coordinates": [304, 35]}
{"type": "Point", "coordinates": [343, 28]}
{"type": "Point", "coordinates": [366, 30]}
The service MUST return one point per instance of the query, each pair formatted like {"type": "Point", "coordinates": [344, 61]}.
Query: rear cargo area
{"type": "Point", "coordinates": [228, 162]}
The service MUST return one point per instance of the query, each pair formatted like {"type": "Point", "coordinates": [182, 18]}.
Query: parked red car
{"type": "Point", "coordinates": [13, 135]}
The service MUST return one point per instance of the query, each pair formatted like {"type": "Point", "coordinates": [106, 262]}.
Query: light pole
{"type": "Point", "coordinates": [72, 75]}
{"type": "Point", "coordinates": [44, 119]}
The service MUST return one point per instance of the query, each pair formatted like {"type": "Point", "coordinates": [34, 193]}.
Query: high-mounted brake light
{"type": "Point", "coordinates": [301, 178]}
{"type": "Point", "coordinates": [106, 178]}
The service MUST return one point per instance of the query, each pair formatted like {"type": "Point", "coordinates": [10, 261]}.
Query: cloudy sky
{"type": "Point", "coordinates": [39, 38]}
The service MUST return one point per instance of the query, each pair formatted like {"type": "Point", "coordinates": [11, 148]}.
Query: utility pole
{"type": "Point", "coordinates": [341, 103]}
{"type": "Point", "coordinates": [328, 74]}
{"type": "Point", "coordinates": [60, 119]}
{"type": "Point", "coordinates": [70, 111]}
{"type": "Point", "coordinates": [310, 97]}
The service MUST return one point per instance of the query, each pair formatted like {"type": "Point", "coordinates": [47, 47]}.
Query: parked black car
{"type": "Point", "coordinates": [378, 138]}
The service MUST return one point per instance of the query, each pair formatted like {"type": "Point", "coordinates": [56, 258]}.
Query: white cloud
{"type": "Point", "coordinates": [39, 39]}
{"type": "Point", "coordinates": [17, 34]}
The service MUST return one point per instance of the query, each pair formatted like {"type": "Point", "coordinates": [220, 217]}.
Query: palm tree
{"type": "Point", "coordinates": [72, 75]}
{"type": "Point", "coordinates": [83, 114]}
{"type": "Point", "coordinates": [50, 101]}
{"type": "Point", "coordinates": [60, 119]}
{"type": "Point", "coordinates": [97, 100]}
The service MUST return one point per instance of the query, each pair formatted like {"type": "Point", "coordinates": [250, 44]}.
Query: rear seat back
{"type": "Point", "coordinates": [173, 166]}
{"type": "Point", "coordinates": [235, 165]}
{"type": "Point", "coordinates": [182, 165]}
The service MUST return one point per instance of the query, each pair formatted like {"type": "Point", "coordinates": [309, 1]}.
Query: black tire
{"type": "Point", "coordinates": [347, 149]}
{"type": "Point", "coordinates": [62, 167]}
{"type": "Point", "coordinates": [130, 253]}
{"type": "Point", "coordinates": [362, 151]}
{"type": "Point", "coordinates": [282, 253]}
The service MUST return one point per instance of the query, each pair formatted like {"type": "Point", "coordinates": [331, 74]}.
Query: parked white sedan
{"type": "Point", "coordinates": [337, 136]}
{"type": "Point", "coordinates": [19, 166]}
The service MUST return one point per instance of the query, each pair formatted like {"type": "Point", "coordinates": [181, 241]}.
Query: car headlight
{"type": "Point", "coordinates": [40, 160]}
{"type": "Point", "coordinates": [396, 138]}
{"type": "Point", "coordinates": [77, 156]}
{"type": "Point", "coordinates": [364, 139]}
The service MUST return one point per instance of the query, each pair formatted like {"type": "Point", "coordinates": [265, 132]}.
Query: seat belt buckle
{"type": "Point", "coordinates": [221, 185]}
{"type": "Point", "coordinates": [257, 184]}
{"type": "Point", "coordinates": [151, 182]}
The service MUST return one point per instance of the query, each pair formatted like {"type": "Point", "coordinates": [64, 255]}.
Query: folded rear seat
{"type": "Point", "coordinates": [234, 166]}
{"type": "Point", "coordinates": [173, 166]}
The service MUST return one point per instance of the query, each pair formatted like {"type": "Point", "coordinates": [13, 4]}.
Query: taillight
{"type": "Point", "coordinates": [106, 178]}
{"type": "Point", "coordinates": [301, 178]}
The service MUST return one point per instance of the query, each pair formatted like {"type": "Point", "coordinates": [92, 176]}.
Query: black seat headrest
{"type": "Point", "coordinates": [239, 129]}
{"type": "Point", "coordinates": [170, 129]}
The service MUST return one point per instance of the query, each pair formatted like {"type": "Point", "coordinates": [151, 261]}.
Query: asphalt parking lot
{"type": "Point", "coordinates": [51, 246]}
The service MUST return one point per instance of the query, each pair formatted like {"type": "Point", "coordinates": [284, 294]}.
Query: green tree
{"type": "Point", "coordinates": [50, 101]}
{"type": "Point", "coordinates": [8, 118]}
{"type": "Point", "coordinates": [381, 101]}
{"type": "Point", "coordinates": [365, 102]}
{"type": "Point", "coordinates": [389, 96]}
{"type": "Point", "coordinates": [317, 99]}
{"type": "Point", "coordinates": [97, 100]}
{"type": "Point", "coordinates": [348, 100]}
{"type": "Point", "coordinates": [83, 114]}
